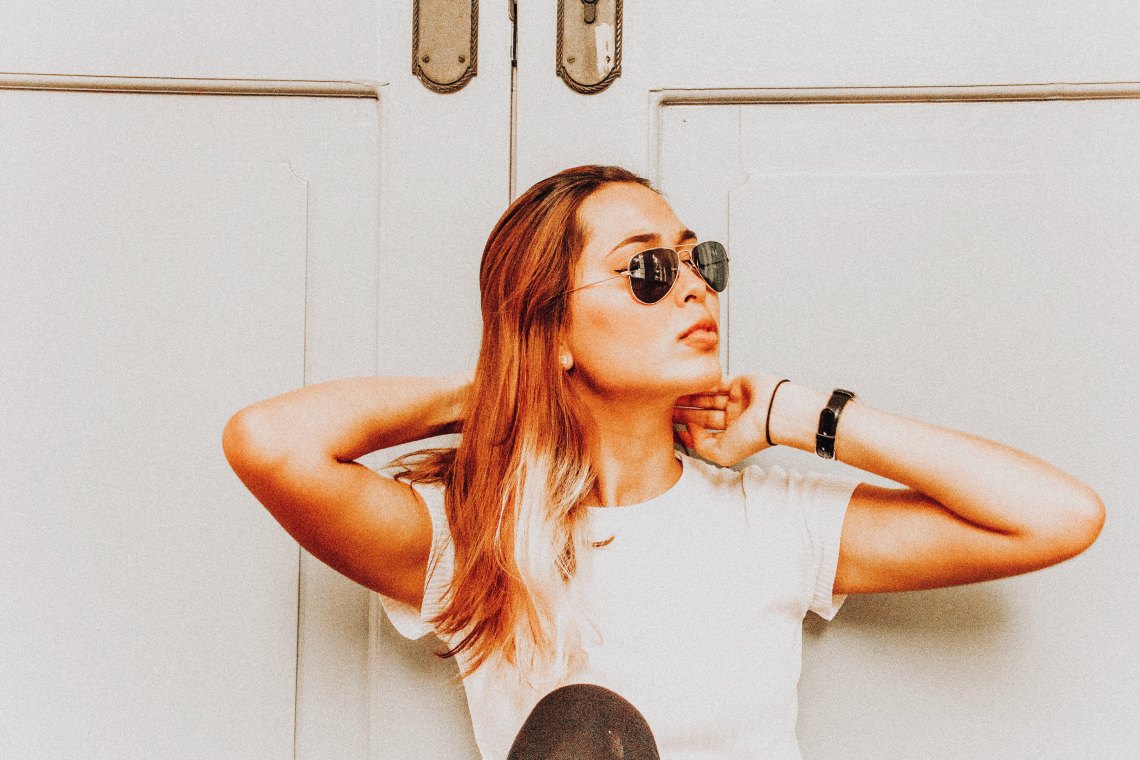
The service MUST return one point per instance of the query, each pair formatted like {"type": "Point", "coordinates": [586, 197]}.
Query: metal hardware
{"type": "Point", "coordinates": [445, 40]}
{"type": "Point", "coordinates": [588, 53]}
{"type": "Point", "coordinates": [513, 12]}
{"type": "Point", "coordinates": [589, 15]}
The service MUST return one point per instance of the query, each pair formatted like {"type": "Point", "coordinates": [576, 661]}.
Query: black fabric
{"type": "Point", "coordinates": [584, 721]}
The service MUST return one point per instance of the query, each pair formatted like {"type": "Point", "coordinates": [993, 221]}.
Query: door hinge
{"type": "Point", "coordinates": [513, 12]}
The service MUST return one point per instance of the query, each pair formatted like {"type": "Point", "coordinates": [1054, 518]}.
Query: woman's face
{"type": "Point", "coordinates": [619, 345]}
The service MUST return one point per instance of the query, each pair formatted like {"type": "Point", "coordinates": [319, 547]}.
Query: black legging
{"type": "Point", "coordinates": [584, 721]}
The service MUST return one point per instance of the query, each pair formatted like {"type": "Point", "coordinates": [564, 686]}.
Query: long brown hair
{"type": "Point", "coordinates": [515, 483]}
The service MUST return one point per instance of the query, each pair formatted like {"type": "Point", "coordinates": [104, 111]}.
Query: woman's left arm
{"type": "Point", "coordinates": [973, 509]}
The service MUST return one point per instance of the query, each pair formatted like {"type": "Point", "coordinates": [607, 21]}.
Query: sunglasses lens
{"type": "Point", "coordinates": [651, 274]}
{"type": "Point", "coordinates": [711, 260]}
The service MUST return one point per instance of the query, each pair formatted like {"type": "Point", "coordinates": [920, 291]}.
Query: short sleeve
{"type": "Point", "coordinates": [412, 623]}
{"type": "Point", "coordinates": [809, 506]}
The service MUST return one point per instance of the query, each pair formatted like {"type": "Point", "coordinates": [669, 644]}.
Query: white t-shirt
{"type": "Point", "coordinates": [700, 600]}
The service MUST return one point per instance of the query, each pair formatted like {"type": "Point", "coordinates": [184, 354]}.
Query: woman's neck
{"type": "Point", "coordinates": [632, 452]}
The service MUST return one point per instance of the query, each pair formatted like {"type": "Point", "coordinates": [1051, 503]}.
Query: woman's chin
{"type": "Point", "coordinates": [673, 380]}
{"type": "Point", "coordinates": [701, 378]}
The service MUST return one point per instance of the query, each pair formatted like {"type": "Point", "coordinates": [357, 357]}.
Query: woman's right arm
{"type": "Point", "coordinates": [295, 452]}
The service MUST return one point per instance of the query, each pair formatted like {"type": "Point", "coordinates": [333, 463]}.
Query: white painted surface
{"type": "Point", "coordinates": [767, 43]}
{"type": "Point", "coordinates": [182, 38]}
{"type": "Point", "coordinates": [148, 611]}
{"type": "Point", "coordinates": [991, 302]}
{"type": "Point", "coordinates": [249, 226]}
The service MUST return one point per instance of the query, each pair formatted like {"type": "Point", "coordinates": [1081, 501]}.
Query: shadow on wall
{"type": "Point", "coordinates": [973, 615]}
{"type": "Point", "coordinates": [420, 707]}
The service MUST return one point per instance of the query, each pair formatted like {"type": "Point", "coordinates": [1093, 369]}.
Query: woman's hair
{"type": "Point", "coordinates": [515, 484]}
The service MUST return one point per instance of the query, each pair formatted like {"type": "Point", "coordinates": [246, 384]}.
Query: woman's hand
{"type": "Point", "coordinates": [726, 424]}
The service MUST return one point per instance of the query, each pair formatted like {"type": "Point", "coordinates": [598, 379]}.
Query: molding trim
{"type": "Point", "coordinates": [912, 94]}
{"type": "Point", "coordinates": [190, 86]}
{"type": "Point", "coordinates": [661, 98]}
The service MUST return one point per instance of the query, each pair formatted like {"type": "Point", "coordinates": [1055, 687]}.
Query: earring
{"type": "Point", "coordinates": [567, 362]}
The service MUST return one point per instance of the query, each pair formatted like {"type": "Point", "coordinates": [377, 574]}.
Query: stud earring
{"type": "Point", "coordinates": [567, 362]}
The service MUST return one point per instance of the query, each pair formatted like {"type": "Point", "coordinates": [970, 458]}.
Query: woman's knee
{"type": "Point", "coordinates": [584, 721]}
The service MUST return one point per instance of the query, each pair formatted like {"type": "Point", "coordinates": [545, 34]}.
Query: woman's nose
{"type": "Point", "coordinates": [691, 284]}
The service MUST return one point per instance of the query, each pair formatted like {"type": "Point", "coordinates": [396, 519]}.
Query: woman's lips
{"type": "Point", "coordinates": [702, 338]}
{"type": "Point", "coordinates": [707, 323]}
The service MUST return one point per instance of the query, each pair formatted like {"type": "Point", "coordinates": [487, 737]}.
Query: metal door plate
{"type": "Point", "coordinates": [589, 54]}
{"type": "Point", "coordinates": [445, 41]}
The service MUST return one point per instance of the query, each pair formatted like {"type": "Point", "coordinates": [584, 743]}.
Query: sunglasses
{"type": "Point", "coordinates": [653, 273]}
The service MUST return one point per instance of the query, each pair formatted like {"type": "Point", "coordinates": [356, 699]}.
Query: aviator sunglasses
{"type": "Point", "coordinates": [652, 273]}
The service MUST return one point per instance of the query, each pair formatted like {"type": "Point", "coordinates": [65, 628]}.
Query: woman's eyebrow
{"type": "Point", "coordinates": [653, 237]}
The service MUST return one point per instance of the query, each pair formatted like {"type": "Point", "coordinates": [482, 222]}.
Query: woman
{"type": "Point", "coordinates": [605, 595]}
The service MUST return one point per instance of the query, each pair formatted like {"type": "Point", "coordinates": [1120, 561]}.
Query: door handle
{"type": "Point", "coordinates": [445, 41]}
{"type": "Point", "coordinates": [589, 15]}
{"type": "Point", "coordinates": [588, 53]}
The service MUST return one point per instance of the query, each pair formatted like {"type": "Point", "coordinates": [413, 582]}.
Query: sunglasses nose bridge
{"type": "Point", "coordinates": [689, 268]}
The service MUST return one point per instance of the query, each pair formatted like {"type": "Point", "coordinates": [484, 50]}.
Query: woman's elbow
{"type": "Point", "coordinates": [1092, 517]}
{"type": "Point", "coordinates": [248, 442]}
{"type": "Point", "coordinates": [1080, 526]}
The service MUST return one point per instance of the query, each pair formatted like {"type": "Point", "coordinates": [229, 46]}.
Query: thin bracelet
{"type": "Point", "coordinates": [768, 418]}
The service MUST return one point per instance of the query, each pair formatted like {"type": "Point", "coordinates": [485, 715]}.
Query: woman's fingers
{"type": "Point", "coordinates": [725, 448]}
{"type": "Point", "coordinates": [700, 440]}
{"type": "Point", "coordinates": [713, 419]}
{"type": "Point", "coordinates": [723, 425]}
{"type": "Point", "coordinates": [704, 400]}
{"type": "Point", "coordinates": [715, 447]}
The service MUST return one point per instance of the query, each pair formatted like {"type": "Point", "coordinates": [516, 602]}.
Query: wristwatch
{"type": "Point", "coordinates": [829, 421]}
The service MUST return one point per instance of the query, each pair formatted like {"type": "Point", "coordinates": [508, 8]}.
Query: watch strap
{"type": "Point", "coordinates": [829, 422]}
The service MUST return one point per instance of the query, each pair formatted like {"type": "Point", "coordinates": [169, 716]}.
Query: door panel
{"type": "Point", "coordinates": [169, 260]}
{"type": "Point", "coordinates": [148, 609]}
{"type": "Point", "coordinates": [989, 302]}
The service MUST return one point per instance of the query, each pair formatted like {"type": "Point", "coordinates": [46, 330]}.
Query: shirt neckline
{"type": "Point", "coordinates": [642, 506]}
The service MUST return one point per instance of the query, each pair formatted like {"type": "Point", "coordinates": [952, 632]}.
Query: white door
{"type": "Point", "coordinates": [193, 221]}
{"type": "Point", "coordinates": [199, 209]}
{"type": "Point", "coordinates": [916, 209]}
